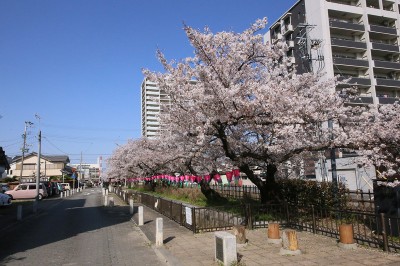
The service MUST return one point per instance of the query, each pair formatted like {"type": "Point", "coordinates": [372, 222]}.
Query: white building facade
{"type": "Point", "coordinates": [354, 40]}
{"type": "Point", "coordinates": [151, 101]}
{"type": "Point", "coordinates": [87, 171]}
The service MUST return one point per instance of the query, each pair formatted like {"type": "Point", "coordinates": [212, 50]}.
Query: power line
{"type": "Point", "coordinates": [90, 128]}
{"type": "Point", "coordinates": [54, 145]}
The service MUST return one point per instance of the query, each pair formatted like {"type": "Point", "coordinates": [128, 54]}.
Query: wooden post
{"type": "Point", "coordinates": [290, 244]}
{"type": "Point", "coordinates": [240, 233]}
{"type": "Point", "coordinates": [292, 240]}
{"type": "Point", "coordinates": [346, 234]}
{"type": "Point", "coordinates": [273, 231]}
{"type": "Point", "coordinates": [346, 237]}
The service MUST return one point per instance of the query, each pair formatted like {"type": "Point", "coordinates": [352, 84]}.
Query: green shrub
{"type": "Point", "coordinates": [306, 192]}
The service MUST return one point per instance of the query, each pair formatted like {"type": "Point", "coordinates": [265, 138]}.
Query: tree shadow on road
{"type": "Point", "coordinates": [56, 223]}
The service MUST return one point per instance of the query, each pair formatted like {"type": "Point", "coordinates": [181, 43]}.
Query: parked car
{"type": "Point", "coordinates": [27, 191]}
{"type": "Point", "coordinates": [54, 188]}
{"type": "Point", "coordinates": [66, 186]}
{"type": "Point", "coordinates": [49, 190]}
{"type": "Point", "coordinates": [5, 199]}
{"type": "Point", "coordinates": [4, 188]}
{"type": "Point", "coordinates": [60, 187]}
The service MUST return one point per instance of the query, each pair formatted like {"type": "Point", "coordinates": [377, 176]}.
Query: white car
{"type": "Point", "coordinates": [66, 186]}
{"type": "Point", "coordinates": [5, 199]}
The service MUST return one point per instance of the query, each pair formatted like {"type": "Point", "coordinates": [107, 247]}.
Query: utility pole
{"type": "Point", "coordinates": [38, 173]}
{"type": "Point", "coordinates": [27, 123]}
{"type": "Point", "coordinates": [80, 170]}
{"type": "Point", "coordinates": [333, 165]}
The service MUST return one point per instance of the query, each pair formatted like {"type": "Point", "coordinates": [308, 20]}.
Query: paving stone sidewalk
{"type": "Point", "coordinates": [182, 247]}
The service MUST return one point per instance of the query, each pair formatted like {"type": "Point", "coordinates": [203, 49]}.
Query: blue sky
{"type": "Point", "coordinates": [77, 64]}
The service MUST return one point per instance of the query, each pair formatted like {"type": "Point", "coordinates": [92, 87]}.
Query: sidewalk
{"type": "Point", "coordinates": [182, 247]}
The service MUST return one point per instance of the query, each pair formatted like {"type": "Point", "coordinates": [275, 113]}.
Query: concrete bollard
{"type": "Point", "coordinates": [19, 212]}
{"type": "Point", "coordinates": [61, 194]}
{"type": "Point", "coordinates": [106, 200]}
{"type": "Point", "coordinates": [225, 248]}
{"type": "Point", "coordinates": [159, 232]}
{"type": "Point", "coordinates": [131, 206]}
{"type": "Point", "coordinates": [111, 204]}
{"type": "Point", "coordinates": [106, 192]}
{"type": "Point", "coordinates": [140, 213]}
{"type": "Point", "coordinates": [103, 191]}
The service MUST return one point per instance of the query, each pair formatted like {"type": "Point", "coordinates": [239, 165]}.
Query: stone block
{"type": "Point", "coordinates": [225, 248]}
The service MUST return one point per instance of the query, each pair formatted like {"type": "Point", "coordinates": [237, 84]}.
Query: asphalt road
{"type": "Point", "coordinates": [74, 231]}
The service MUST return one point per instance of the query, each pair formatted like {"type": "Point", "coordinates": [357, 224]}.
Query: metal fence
{"type": "Point", "coordinates": [238, 192]}
{"type": "Point", "coordinates": [376, 230]}
{"type": "Point", "coordinates": [358, 200]}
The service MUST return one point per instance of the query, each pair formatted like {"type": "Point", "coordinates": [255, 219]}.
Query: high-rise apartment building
{"type": "Point", "coordinates": [151, 102]}
{"type": "Point", "coordinates": [355, 39]}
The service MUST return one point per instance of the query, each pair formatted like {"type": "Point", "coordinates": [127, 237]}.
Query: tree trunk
{"type": "Point", "coordinates": [210, 193]}
{"type": "Point", "coordinates": [268, 188]}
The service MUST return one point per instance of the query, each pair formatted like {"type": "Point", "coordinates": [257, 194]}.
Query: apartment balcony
{"type": "Point", "coordinates": [276, 38]}
{"type": "Point", "coordinates": [388, 5]}
{"type": "Point", "coordinates": [345, 25]}
{"type": "Point", "coordinates": [372, 4]}
{"type": "Point", "coordinates": [287, 29]}
{"type": "Point", "coordinates": [153, 123]}
{"type": "Point", "coordinates": [361, 100]}
{"type": "Point", "coordinates": [349, 44]}
{"type": "Point", "coordinates": [387, 65]}
{"type": "Point", "coordinates": [385, 47]}
{"type": "Point", "coordinates": [388, 100]}
{"type": "Point", "coordinates": [153, 110]}
{"type": "Point", "coordinates": [359, 81]}
{"type": "Point", "coordinates": [381, 82]}
{"type": "Point", "coordinates": [353, 62]}
{"type": "Point", "coordinates": [345, 2]}
{"type": "Point", "coordinates": [382, 30]}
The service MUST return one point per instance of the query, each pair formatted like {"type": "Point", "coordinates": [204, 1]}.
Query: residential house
{"type": "Point", "coordinates": [4, 165]}
{"type": "Point", "coordinates": [50, 165]}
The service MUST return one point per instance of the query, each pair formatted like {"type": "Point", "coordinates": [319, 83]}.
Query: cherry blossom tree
{"type": "Point", "coordinates": [238, 103]}
{"type": "Point", "coordinates": [377, 135]}
{"type": "Point", "coordinates": [241, 99]}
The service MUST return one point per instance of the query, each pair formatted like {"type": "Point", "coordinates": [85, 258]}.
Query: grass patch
{"type": "Point", "coordinates": [194, 196]}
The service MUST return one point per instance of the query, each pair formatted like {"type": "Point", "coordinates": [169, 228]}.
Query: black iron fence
{"type": "Point", "coordinates": [359, 200]}
{"type": "Point", "coordinates": [238, 192]}
{"type": "Point", "coordinates": [376, 230]}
